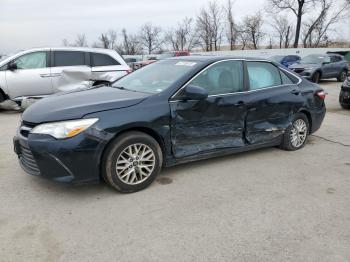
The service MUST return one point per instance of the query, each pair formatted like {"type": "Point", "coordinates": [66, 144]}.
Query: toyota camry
{"type": "Point", "coordinates": [170, 112]}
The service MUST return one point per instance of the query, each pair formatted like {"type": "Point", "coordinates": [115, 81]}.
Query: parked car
{"type": "Point", "coordinates": [163, 56]}
{"type": "Point", "coordinates": [173, 111]}
{"type": "Point", "coordinates": [287, 61]}
{"type": "Point", "coordinates": [317, 67]}
{"type": "Point", "coordinates": [344, 96]}
{"type": "Point", "coordinates": [42, 72]}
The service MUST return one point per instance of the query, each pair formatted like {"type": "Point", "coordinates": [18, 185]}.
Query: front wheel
{"type": "Point", "coordinates": [296, 134]}
{"type": "Point", "coordinates": [316, 77]}
{"type": "Point", "coordinates": [132, 162]}
{"type": "Point", "coordinates": [342, 76]}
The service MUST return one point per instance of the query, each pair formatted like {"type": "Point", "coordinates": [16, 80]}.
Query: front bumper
{"type": "Point", "coordinates": [75, 160]}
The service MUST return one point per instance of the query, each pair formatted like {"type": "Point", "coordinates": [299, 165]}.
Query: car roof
{"type": "Point", "coordinates": [207, 58]}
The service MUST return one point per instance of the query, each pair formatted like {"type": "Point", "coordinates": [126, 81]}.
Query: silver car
{"type": "Point", "coordinates": [37, 73]}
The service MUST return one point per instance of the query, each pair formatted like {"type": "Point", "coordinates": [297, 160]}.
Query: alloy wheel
{"type": "Point", "coordinates": [298, 133]}
{"type": "Point", "coordinates": [135, 164]}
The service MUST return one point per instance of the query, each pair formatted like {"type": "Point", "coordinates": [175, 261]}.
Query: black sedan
{"type": "Point", "coordinates": [344, 96]}
{"type": "Point", "coordinates": [170, 112]}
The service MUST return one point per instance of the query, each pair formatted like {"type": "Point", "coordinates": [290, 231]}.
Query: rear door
{"type": "Point", "coordinates": [272, 99]}
{"type": "Point", "coordinates": [106, 67]}
{"type": "Point", "coordinates": [32, 76]}
{"type": "Point", "coordinates": [70, 70]}
{"type": "Point", "coordinates": [215, 123]}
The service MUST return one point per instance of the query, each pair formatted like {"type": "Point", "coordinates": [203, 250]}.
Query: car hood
{"type": "Point", "coordinates": [301, 66]}
{"type": "Point", "coordinates": [74, 105]}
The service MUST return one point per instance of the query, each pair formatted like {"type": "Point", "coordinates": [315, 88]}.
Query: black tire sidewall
{"type": "Point", "coordinates": [316, 77]}
{"type": "Point", "coordinates": [286, 144]}
{"type": "Point", "coordinates": [109, 163]}
{"type": "Point", "coordinates": [342, 76]}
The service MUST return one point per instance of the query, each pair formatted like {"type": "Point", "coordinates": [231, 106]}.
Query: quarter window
{"type": "Point", "coordinates": [221, 78]}
{"type": "Point", "coordinates": [263, 75]}
{"type": "Point", "coordinates": [285, 79]}
{"type": "Point", "coordinates": [103, 60]}
{"type": "Point", "coordinates": [69, 58]}
{"type": "Point", "coordinates": [31, 61]}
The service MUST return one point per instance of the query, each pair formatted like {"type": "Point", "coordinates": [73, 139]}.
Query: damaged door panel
{"type": "Point", "coordinates": [216, 122]}
{"type": "Point", "coordinates": [199, 126]}
{"type": "Point", "coordinates": [272, 103]}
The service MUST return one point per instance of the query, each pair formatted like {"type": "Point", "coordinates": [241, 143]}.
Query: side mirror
{"type": "Point", "coordinates": [12, 66]}
{"type": "Point", "coordinates": [195, 93]}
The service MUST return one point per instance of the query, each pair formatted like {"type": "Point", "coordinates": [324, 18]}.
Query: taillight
{"type": "Point", "coordinates": [321, 94]}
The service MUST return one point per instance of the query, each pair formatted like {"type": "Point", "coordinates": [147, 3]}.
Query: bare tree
{"type": "Point", "coordinates": [231, 25]}
{"type": "Point", "coordinates": [131, 45]}
{"type": "Point", "coordinates": [252, 27]}
{"type": "Point", "coordinates": [297, 7]}
{"type": "Point", "coordinates": [203, 27]}
{"type": "Point", "coordinates": [281, 26]}
{"type": "Point", "coordinates": [81, 40]}
{"type": "Point", "coordinates": [209, 26]}
{"type": "Point", "coordinates": [243, 36]}
{"type": "Point", "coordinates": [65, 42]}
{"type": "Point", "coordinates": [150, 37]}
{"type": "Point", "coordinates": [182, 37]}
{"type": "Point", "coordinates": [316, 29]}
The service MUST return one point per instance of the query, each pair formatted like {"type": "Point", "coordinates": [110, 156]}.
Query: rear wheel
{"type": "Point", "coordinates": [296, 134]}
{"type": "Point", "coordinates": [316, 77]}
{"type": "Point", "coordinates": [132, 162]}
{"type": "Point", "coordinates": [342, 76]}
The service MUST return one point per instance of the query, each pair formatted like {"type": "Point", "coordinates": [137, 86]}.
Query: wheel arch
{"type": "Point", "coordinates": [146, 130]}
{"type": "Point", "coordinates": [309, 118]}
{"type": "Point", "coordinates": [3, 95]}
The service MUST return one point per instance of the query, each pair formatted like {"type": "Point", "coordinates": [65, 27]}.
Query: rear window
{"type": "Point", "coordinates": [69, 58]}
{"type": "Point", "coordinates": [103, 60]}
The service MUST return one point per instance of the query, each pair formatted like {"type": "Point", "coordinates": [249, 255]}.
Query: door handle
{"type": "Point", "coordinates": [45, 75]}
{"type": "Point", "coordinates": [295, 92]}
{"type": "Point", "coordinates": [240, 103]}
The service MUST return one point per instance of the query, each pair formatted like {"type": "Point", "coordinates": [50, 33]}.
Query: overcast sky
{"type": "Point", "coordinates": [36, 23]}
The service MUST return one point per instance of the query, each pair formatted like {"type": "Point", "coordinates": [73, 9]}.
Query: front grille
{"type": "Point", "coordinates": [28, 162]}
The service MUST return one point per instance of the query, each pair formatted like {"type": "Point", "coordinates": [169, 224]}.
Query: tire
{"type": "Point", "coordinates": [288, 143]}
{"type": "Point", "coordinates": [345, 106]}
{"type": "Point", "coordinates": [2, 98]}
{"type": "Point", "coordinates": [342, 76]}
{"type": "Point", "coordinates": [316, 77]}
{"type": "Point", "coordinates": [127, 172]}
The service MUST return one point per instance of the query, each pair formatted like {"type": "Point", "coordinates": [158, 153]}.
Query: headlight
{"type": "Point", "coordinates": [64, 129]}
{"type": "Point", "coordinates": [308, 68]}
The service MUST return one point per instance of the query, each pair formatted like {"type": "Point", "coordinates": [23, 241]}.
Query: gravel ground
{"type": "Point", "coordinates": [266, 205]}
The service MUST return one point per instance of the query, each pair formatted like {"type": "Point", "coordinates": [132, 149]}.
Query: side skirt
{"type": "Point", "coordinates": [221, 152]}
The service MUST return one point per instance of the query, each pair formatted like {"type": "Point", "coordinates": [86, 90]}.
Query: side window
{"type": "Point", "coordinates": [221, 78]}
{"type": "Point", "coordinates": [262, 75]}
{"type": "Point", "coordinates": [335, 59]}
{"type": "Point", "coordinates": [285, 79]}
{"type": "Point", "coordinates": [69, 58]}
{"type": "Point", "coordinates": [327, 59]}
{"type": "Point", "coordinates": [31, 61]}
{"type": "Point", "coordinates": [103, 60]}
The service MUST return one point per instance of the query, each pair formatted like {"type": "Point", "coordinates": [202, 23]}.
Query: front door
{"type": "Point", "coordinates": [271, 102]}
{"type": "Point", "coordinates": [215, 123]}
{"type": "Point", "coordinates": [32, 76]}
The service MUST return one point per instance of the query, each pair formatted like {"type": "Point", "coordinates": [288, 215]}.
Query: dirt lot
{"type": "Point", "coordinates": [267, 205]}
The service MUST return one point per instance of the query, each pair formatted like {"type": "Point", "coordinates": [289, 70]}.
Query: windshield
{"type": "Point", "coordinates": [313, 59]}
{"type": "Point", "coordinates": [156, 77]}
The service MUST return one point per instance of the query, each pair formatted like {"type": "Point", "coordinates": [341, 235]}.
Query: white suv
{"type": "Point", "coordinates": [40, 72]}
